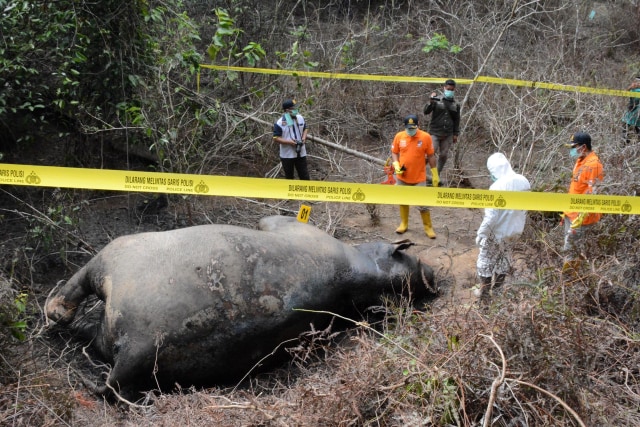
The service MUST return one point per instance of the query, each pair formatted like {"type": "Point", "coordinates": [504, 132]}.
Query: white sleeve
{"type": "Point", "coordinates": [487, 223]}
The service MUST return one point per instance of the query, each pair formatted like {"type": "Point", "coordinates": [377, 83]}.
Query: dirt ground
{"type": "Point", "coordinates": [452, 254]}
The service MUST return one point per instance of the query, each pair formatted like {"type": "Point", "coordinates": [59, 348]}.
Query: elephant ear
{"type": "Point", "coordinates": [401, 245]}
{"type": "Point", "coordinates": [384, 250]}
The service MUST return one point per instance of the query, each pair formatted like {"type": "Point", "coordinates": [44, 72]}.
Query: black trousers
{"type": "Point", "coordinates": [300, 165]}
{"type": "Point", "coordinates": [627, 129]}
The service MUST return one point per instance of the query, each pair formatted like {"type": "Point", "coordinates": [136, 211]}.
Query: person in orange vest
{"type": "Point", "coordinates": [412, 148]}
{"type": "Point", "coordinates": [587, 173]}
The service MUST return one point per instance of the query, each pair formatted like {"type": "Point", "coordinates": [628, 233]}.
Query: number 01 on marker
{"type": "Point", "coordinates": [303, 213]}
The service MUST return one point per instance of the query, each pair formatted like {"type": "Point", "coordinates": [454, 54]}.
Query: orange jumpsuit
{"type": "Point", "coordinates": [412, 152]}
{"type": "Point", "coordinates": [586, 173]}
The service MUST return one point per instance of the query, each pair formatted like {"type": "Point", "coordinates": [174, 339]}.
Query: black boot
{"type": "Point", "coordinates": [625, 134]}
{"type": "Point", "coordinates": [483, 292]}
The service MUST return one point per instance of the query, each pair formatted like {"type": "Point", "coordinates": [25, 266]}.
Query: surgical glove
{"type": "Point", "coordinates": [576, 223]}
{"type": "Point", "coordinates": [397, 168]}
{"type": "Point", "coordinates": [435, 179]}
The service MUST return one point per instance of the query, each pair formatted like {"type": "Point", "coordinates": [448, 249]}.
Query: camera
{"type": "Point", "coordinates": [435, 98]}
{"type": "Point", "coordinates": [298, 146]}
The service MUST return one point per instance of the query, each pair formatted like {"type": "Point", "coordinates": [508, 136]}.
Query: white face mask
{"type": "Point", "coordinates": [412, 132]}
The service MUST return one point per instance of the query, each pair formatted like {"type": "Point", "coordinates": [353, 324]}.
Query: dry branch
{"type": "Point", "coordinates": [328, 144]}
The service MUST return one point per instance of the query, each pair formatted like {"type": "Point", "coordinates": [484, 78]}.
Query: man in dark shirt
{"type": "Point", "coordinates": [445, 122]}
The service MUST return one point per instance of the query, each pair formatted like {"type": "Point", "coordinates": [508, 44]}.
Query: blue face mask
{"type": "Point", "coordinates": [574, 153]}
{"type": "Point", "coordinates": [412, 132]}
{"type": "Point", "coordinates": [448, 94]}
{"type": "Point", "coordinates": [294, 112]}
{"type": "Point", "coordinates": [494, 178]}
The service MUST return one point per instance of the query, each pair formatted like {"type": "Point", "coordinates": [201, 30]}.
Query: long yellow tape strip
{"type": "Point", "coordinates": [414, 79]}
{"type": "Point", "coordinates": [346, 192]}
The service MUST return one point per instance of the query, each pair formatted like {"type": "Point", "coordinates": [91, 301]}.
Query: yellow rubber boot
{"type": "Point", "coordinates": [428, 228]}
{"type": "Point", "coordinates": [404, 219]}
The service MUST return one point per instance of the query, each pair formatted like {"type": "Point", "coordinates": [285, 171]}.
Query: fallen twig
{"type": "Point", "coordinates": [496, 382]}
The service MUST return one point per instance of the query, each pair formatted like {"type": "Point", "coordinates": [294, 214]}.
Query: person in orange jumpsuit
{"type": "Point", "coordinates": [412, 148]}
{"type": "Point", "coordinates": [587, 173]}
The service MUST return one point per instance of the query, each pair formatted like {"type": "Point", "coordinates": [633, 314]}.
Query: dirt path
{"type": "Point", "coordinates": [452, 254]}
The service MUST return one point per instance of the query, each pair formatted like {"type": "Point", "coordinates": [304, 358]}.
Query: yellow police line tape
{"type": "Point", "coordinates": [319, 191]}
{"type": "Point", "coordinates": [424, 80]}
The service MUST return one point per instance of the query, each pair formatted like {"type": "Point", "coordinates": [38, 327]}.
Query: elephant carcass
{"type": "Point", "coordinates": [202, 305]}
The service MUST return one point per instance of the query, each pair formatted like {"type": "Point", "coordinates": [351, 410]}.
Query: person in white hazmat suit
{"type": "Point", "coordinates": [499, 228]}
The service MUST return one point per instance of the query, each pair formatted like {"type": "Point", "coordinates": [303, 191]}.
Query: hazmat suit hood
{"type": "Point", "coordinates": [506, 178]}
{"type": "Point", "coordinates": [498, 165]}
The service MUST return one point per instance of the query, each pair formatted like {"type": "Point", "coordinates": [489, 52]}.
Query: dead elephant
{"type": "Point", "coordinates": [202, 305]}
